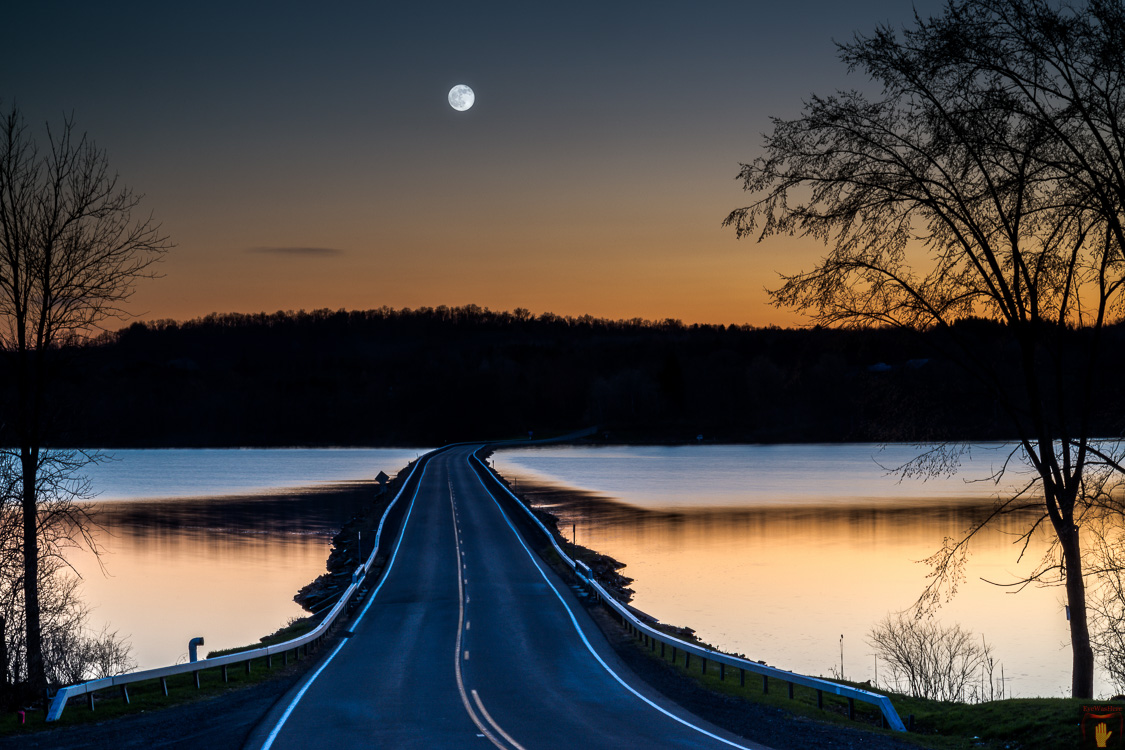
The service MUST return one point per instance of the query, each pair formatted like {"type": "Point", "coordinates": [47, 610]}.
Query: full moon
{"type": "Point", "coordinates": [461, 97]}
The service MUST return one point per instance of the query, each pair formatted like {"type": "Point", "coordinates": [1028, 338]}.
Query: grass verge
{"type": "Point", "coordinates": [150, 695]}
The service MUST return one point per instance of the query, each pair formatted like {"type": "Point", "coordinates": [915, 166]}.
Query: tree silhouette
{"type": "Point", "coordinates": [70, 252]}
{"type": "Point", "coordinates": [986, 180]}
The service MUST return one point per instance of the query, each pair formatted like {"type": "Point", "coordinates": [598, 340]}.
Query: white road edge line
{"type": "Point", "coordinates": [457, 650]}
{"type": "Point", "coordinates": [489, 719]}
{"type": "Point", "coordinates": [304, 688]}
{"type": "Point", "coordinates": [577, 627]}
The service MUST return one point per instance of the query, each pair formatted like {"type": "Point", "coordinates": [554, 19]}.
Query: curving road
{"type": "Point", "coordinates": [472, 642]}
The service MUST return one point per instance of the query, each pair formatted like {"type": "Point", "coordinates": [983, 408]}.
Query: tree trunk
{"type": "Point", "coordinates": [5, 680]}
{"type": "Point", "coordinates": [1082, 672]}
{"type": "Point", "coordinates": [36, 673]}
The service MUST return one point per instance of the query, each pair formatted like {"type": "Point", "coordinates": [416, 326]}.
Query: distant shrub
{"type": "Point", "coordinates": [926, 659]}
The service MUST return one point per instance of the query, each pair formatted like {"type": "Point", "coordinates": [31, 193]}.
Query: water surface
{"type": "Point", "coordinates": [215, 543]}
{"type": "Point", "coordinates": [778, 551]}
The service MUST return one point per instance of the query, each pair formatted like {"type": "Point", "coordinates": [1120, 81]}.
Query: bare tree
{"type": "Point", "coordinates": [930, 660]}
{"type": "Point", "coordinates": [72, 652]}
{"type": "Point", "coordinates": [1105, 542]}
{"type": "Point", "coordinates": [70, 254]}
{"type": "Point", "coordinates": [987, 181]}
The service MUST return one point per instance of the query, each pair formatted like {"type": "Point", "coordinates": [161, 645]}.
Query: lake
{"type": "Point", "coordinates": [215, 543]}
{"type": "Point", "coordinates": [770, 551]}
{"type": "Point", "coordinates": [778, 551]}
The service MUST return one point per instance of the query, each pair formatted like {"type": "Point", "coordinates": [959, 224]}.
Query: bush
{"type": "Point", "coordinates": [929, 660]}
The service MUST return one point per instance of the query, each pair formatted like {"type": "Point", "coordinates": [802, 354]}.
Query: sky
{"type": "Point", "coordinates": [305, 157]}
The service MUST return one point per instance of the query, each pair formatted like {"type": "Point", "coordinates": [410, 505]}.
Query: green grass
{"type": "Point", "coordinates": [731, 681]}
{"type": "Point", "coordinates": [149, 694]}
{"type": "Point", "coordinates": [1026, 723]}
{"type": "Point", "coordinates": [294, 629]}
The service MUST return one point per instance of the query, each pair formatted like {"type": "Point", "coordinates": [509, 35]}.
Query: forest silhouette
{"type": "Point", "coordinates": [436, 375]}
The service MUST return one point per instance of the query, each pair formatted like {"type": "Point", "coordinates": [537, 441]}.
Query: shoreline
{"type": "Point", "coordinates": [606, 568]}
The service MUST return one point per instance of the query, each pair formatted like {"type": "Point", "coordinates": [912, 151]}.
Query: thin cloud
{"type": "Point", "coordinates": [307, 251]}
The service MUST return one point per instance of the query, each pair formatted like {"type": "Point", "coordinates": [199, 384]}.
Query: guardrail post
{"type": "Point", "coordinates": [285, 658]}
{"type": "Point", "coordinates": [851, 708]}
{"type": "Point", "coordinates": [125, 694]}
{"type": "Point", "coordinates": [673, 654]}
{"type": "Point", "coordinates": [90, 699]}
{"type": "Point", "coordinates": [790, 684]}
{"type": "Point", "coordinates": [722, 671]}
{"type": "Point", "coordinates": [820, 699]}
{"type": "Point", "coordinates": [662, 649]}
{"type": "Point", "coordinates": [741, 677]}
{"type": "Point", "coordinates": [703, 669]}
{"type": "Point", "coordinates": [687, 659]}
{"type": "Point", "coordinates": [164, 686]}
{"type": "Point", "coordinates": [196, 673]}
{"type": "Point", "coordinates": [269, 661]}
{"type": "Point", "coordinates": [765, 684]}
{"type": "Point", "coordinates": [248, 661]}
{"type": "Point", "coordinates": [225, 679]}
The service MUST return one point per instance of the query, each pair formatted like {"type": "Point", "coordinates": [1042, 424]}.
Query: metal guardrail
{"type": "Point", "coordinates": [653, 636]}
{"type": "Point", "coordinates": [58, 703]}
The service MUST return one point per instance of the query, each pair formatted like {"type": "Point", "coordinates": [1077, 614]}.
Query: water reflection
{"type": "Point", "coordinates": [782, 580]}
{"type": "Point", "coordinates": [304, 511]}
{"type": "Point", "coordinates": [223, 568]}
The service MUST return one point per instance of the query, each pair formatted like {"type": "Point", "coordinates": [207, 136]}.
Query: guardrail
{"type": "Point", "coordinates": [652, 636]}
{"type": "Point", "coordinates": [312, 638]}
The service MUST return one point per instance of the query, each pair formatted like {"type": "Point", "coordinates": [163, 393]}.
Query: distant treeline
{"type": "Point", "coordinates": [435, 375]}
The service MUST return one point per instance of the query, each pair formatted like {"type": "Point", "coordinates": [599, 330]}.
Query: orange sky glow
{"type": "Point", "coordinates": [306, 160]}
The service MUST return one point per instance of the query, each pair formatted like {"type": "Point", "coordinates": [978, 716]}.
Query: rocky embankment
{"type": "Point", "coordinates": [539, 498]}
{"type": "Point", "coordinates": [346, 553]}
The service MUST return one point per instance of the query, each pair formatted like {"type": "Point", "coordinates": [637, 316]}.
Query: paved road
{"type": "Point", "coordinates": [472, 642]}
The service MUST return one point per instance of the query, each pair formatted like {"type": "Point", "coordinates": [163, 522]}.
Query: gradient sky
{"type": "Point", "coordinates": [305, 157]}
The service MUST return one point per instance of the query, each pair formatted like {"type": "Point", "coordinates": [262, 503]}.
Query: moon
{"type": "Point", "coordinates": [461, 97]}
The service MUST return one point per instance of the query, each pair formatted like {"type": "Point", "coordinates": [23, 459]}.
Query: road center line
{"type": "Point", "coordinates": [462, 600]}
{"type": "Point", "coordinates": [493, 724]}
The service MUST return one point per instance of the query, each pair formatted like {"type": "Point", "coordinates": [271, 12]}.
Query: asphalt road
{"type": "Point", "coordinates": [472, 642]}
